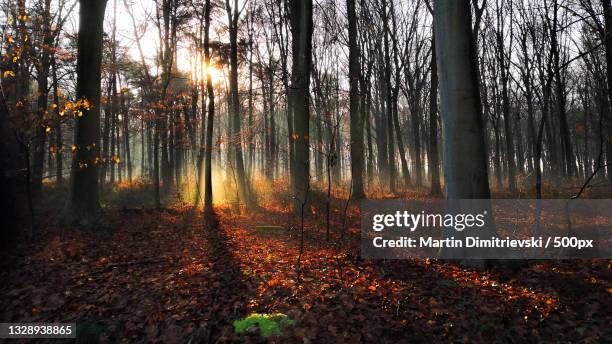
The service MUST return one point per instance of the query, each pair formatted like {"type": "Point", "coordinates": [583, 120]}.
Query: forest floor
{"type": "Point", "coordinates": [169, 276]}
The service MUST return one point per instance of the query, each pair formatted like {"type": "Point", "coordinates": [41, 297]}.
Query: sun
{"type": "Point", "coordinates": [215, 73]}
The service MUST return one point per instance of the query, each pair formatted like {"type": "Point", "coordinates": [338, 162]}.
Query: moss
{"type": "Point", "coordinates": [268, 324]}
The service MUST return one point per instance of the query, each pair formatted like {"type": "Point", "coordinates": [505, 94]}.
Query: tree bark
{"type": "Point", "coordinates": [432, 157]}
{"type": "Point", "coordinates": [43, 91]}
{"type": "Point", "coordinates": [608, 26]}
{"type": "Point", "coordinates": [83, 200]}
{"type": "Point", "coordinates": [354, 103]}
{"type": "Point", "coordinates": [388, 98]}
{"type": "Point", "coordinates": [241, 180]}
{"type": "Point", "coordinates": [460, 102]}
{"type": "Point", "coordinates": [301, 30]}
{"type": "Point", "coordinates": [59, 149]}
{"type": "Point", "coordinates": [208, 192]}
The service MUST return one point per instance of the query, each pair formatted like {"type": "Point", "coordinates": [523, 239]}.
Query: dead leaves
{"type": "Point", "coordinates": [202, 280]}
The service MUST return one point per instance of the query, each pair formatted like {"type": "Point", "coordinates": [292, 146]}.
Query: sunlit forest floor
{"type": "Point", "coordinates": [169, 276]}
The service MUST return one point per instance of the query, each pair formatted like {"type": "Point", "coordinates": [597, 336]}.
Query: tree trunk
{"type": "Point", "coordinates": [504, 79]}
{"type": "Point", "coordinates": [388, 98]}
{"type": "Point", "coordinates": [59, 151]}
{"type": "Point", "coordinates": [460, 102]}
{"type": "Point", "coordinates": [43, 91]}
{"type": "Point", "coordinates": [400, 144]}
{"type": "Point", "coordinates": [608, 24]}
{"type": "Point", "coordinates": [125, 110]}
{"type": "Point", "coordinates": [83, 200]}
{"type": "Point", "coordinates": [301, 30]}
{"type": "Point", "coordinates": [241, 180]}
{"type": "Point", "coordinates": [432, 157]}
{"type": "Point", "coordinates": [208, 194]}
{"type": "Point", "coordinates": [561, 98]}
{"type": "Point", "coordinates": [354, 103]}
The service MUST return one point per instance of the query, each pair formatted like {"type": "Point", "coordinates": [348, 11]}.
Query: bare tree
{"type": "Point", "coordinates": [83, 200]}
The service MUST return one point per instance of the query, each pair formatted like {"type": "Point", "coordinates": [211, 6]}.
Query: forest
{"type": "Point", "coordinates": [191, 171]}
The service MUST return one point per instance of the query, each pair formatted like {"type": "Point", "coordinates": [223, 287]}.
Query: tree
{"type": "Point", "coordinates": [233, 16]}
{"type": "Point", "coordinates": [83, 199]}
{"type": "Point", "coordinates": [42, 69]}
{"type": "Point", "coordinates": [504, 69]}
{"type": "Point", "coordinates": [460, 105]}
{"type": "Point", "coordinates": [355, 113]}
{"type": "Point", "coordinates": [208, 195]}
{"type": "Point", "coordinates": [608, 39]}
{"type": "Point", "coordinates": [432, 152]}
{"type": "Point", "coordinates": [301, 51]}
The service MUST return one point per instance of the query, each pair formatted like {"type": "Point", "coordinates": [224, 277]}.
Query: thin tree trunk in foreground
{"type": "Point", "coordinates": [355, 113]}
{"type": "Point", "coordinates": [208, 195]}
{"type": "Point", "coordinates": [432, 158]}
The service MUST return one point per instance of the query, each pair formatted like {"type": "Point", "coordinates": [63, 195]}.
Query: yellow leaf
{"type": "Point", "coordinates": [48, 130]}
{"type": "Point", "coordinates": [8, 74]}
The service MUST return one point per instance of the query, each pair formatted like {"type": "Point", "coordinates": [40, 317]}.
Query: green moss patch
{"type": "Point", "coordinates": [268, 324]}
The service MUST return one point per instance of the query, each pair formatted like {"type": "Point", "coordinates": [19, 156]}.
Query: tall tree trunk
{"type": "Point", "coordinates": [156, 190]}
{"type": "Point", "coordinates": [208, 193]}
{"type": "Point", "coordinates": [250, 134]}
{"type": "Point", "coordinates": [531, 131]}
{"type": "Point", "coordinates": [41, 135]}
{"type": "Point", "coordinates": [504, 79]}
{"type": "Point", "coordinates": [608, 25]}
{"type": "Point", "coordinates": [415, 116]}
{"type": "Point", "coordinates": [59, 151]}
{"type": "Point", "coordinates": [106, 155]}
{"type": "Point", "coordinates": [14, 198]}
{"type": "Point", "coordinates": [497, 163]}
{"type": "Point", "coordinates": [301, 30]}
{"type": "Point", "coordinates": [83, 200]}
{"type": "Point", "coordinates": [356, 121]}
{"type": "Point", "coordinates": [365, 109]}
{"type": "Point", "coordinates": [460, 102]}
{"type": "Point", "coordinates": [237, 137]}
{"type": "Point", "coordinates": [388, 98]}
{"type": "Point", "coordinates": [125, 110]}
{"type": "Point", "coordinates": [461, 109]}
{"type": "Point", "coordinates": [43, 92]}
{"type": "Point", "coordinates": [113, 140]}
{"type": "Point", "coordinates": [432, 157]}
{"type": "Point", "coordinates": [400, 143]}
{"type": "Point", "coordinates": [560, 95]}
